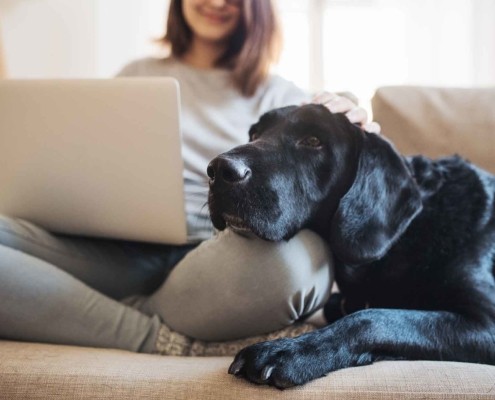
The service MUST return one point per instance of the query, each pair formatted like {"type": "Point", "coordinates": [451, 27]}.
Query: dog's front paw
{"type": "Point", "coordinates": [282, 363]}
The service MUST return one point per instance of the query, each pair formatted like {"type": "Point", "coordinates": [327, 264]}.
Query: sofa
{"type": "Point", "coordinates": [431, 121]}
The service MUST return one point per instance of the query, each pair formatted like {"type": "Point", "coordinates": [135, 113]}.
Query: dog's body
{"type": "Point", "coordinates": [413, 239]}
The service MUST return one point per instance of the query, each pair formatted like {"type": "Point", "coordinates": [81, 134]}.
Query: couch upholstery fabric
{"type": "Point", "coordinates": [41, 371]}
{"type": "Point", "coordinates": [439, 121]}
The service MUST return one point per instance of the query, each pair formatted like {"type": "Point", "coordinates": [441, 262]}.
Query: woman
{"type": "Point", "coordinates": [101, 293]}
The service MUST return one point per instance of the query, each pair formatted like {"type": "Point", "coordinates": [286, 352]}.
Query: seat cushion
{"type": "Point", "coordinates": [41, 371]}
{"type": "Point", "coordinates": [439, 121]}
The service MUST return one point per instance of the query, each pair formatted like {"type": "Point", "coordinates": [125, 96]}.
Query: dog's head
{"type": "Point", "coordinates": [305, 167]}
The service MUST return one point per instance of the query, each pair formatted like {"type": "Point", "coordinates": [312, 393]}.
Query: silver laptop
{"type": "Point", "coordinates": [94, 157]}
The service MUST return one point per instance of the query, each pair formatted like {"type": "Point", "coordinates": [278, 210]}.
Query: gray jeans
{"type": "Point", "coordinates": [104, 293]}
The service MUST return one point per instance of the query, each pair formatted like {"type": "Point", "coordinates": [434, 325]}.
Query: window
{"type": "Point", "coordinates": [359, 45]}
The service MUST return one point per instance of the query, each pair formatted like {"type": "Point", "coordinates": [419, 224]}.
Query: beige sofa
{"type": "Point", "coordinates": [419, 120]}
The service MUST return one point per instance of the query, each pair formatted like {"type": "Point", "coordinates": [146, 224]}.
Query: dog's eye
{"type": "Point", "coordinates": [253, 133]}
{"type": "Point", "coordinates": [311, 141]}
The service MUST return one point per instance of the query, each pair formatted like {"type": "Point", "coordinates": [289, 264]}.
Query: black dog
{"type": "Point", "coordinates": [413, 240]}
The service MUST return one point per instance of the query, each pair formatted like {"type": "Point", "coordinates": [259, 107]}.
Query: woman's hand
{"type": "Point", "coordinates": [341, 104]}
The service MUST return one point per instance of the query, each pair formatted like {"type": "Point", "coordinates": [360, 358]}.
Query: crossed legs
{"type": "Point", "coordinates": [92, 292]}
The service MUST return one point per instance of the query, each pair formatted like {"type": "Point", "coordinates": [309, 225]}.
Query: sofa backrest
{"type": "Point", "coordinates": [439, 121]}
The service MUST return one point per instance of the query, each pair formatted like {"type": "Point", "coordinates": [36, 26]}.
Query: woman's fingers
{"type": "Point", "coordinates": [357, 115]}
{"type": "Point", "coordinates": [334, 102]}
{"type": "Point", "coordinates": [340, 104]}
{"type": "Point", "coordinates": [373, 127]}
{"type": "Point", "coordinates": [324, 98]}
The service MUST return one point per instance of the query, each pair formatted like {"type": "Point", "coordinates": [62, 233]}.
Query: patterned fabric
{"type": "Point", "coordinates": [171, 343]}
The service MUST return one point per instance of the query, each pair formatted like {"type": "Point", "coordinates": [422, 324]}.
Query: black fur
{"type": "Point", "coordinates": [413, 239]}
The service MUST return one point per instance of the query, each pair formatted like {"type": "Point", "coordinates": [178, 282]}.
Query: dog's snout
{"type": "Point", "coordinates": [228, 170]}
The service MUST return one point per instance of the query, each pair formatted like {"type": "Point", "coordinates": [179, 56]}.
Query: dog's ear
{"type": "Point", "coordinates": [377, 208]}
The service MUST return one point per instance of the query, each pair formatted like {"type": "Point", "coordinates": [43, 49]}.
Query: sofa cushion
{"type": "Point", "coordinates": [439, 121]}
{"type": "Point", "coordinates": [41, 371]}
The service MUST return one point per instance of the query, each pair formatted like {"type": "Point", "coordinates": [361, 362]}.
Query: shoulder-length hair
{"type": "Point", "coordinates": [252, 48]}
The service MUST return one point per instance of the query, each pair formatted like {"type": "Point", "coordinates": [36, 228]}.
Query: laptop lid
{"type": "Point", "coordinates": [94, 157]}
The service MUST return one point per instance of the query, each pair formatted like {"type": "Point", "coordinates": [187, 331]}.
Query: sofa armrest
{"type": "Point", "coordinates": [439, 121]}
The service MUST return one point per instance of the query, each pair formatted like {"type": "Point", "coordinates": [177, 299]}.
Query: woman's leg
{"type": "Point", "coordinates": [232, 286]}
{"type": "Point", "coordinates": [113, 267]}
{"type": "Point", "coordinates": [45, 294]}
{"type": "Point", "coordinates": [279, 283]}
{"type": "Point", "coordinates": [41, 303]}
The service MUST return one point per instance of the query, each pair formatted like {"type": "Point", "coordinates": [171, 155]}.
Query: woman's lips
{"type": "Point", "coordinates": [214, 18]}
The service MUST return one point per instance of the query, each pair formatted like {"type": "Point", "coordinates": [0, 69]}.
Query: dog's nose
{"type": "Point", "coordinates": [228, 170]}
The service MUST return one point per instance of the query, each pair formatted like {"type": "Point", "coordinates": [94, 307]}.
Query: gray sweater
{"type": "Point", "coordinates": [215, 118]}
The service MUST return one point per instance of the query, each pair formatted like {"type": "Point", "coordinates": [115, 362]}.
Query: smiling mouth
{"type": "Point", "coordinates": [215, 18]}
{"type": "Point", "coordinates": [237, 224]}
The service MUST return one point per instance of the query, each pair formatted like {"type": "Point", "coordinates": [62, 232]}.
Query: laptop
{"type": "Point", "coordinates": [98, 157]}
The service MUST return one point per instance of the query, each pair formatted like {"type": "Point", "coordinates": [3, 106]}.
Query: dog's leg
{"type": "Point", "coordinates": [364, 337]}
{"type": "Point", "coordinates": [339, 306]}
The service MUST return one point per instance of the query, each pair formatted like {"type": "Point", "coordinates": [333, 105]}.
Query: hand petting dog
{"type": "Point", "coordinates": [347, 104]}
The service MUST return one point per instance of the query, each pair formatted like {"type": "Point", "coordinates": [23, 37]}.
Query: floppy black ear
{"type": "Point", "coordinates": [378, 207]}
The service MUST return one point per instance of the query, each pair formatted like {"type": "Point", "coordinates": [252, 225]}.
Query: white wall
{"type": "Point", "coordinates": [77, 38]}
{"type": "Point", "coordinates": [484, 41]}
{"type": "Point", "coordinates": [49, 38]}
{"type": "Point", "coordinates": [126, 29]}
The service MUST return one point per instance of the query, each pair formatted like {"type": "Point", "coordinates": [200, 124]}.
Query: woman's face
{"type": "Point", "coordinates": [212, 20]}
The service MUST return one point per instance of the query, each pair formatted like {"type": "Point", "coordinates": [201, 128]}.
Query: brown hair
{"type": "Point", "coordinates": [252, 48]}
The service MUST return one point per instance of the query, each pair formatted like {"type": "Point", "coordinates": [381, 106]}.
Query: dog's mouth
{"type": "Point", "coordinates": [235, 223]}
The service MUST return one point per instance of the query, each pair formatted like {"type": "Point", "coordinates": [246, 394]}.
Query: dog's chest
{"type": "Point", "coordinates": [376, 286]}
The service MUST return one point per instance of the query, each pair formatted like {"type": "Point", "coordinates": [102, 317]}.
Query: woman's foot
{"type": "Point", "coordinates": [171, 343]}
